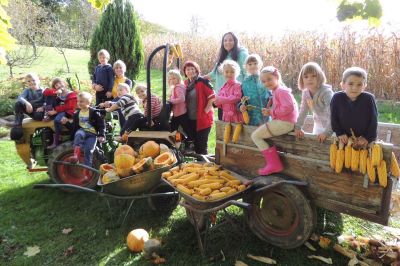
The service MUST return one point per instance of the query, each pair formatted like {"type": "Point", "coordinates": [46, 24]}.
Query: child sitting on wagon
{"type": "Point", "coordinates": [355, 110]}
{"type": "Point", "coordinates": [284, 116]}
{"type": "Point", "coordinates": [156, 104]}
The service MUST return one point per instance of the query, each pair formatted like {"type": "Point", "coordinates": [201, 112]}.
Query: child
{"type": "Point", "coordinates": [88, 128]}
{"type": "Point", "coordinates": [103, 78]}
{"type": "Point", "coordinates": [64, 109]}
{"type": "Point", "coordinates": [177, 99]}
{"type": "Point", "coordinates": [354, 109]}
{"type": "Point", "coordinates": [316, 97]}
{"type": "Point", "coordinates": [156, 104]}
{"type": "Point", "coordinates": [30, 101]}
{"type": "Point", "coordinates": [129, 106]}
{"type": "Point", "coordinates": [50, 97]}
{"type": "Point", "coordinates": [284, 115]}
{"type": "Point", "coordinates": [230, 93]}
{"type": "Point", "coordinates": [255, 90]}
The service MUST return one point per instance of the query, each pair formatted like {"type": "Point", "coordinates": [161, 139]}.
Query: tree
{"type": "Point", "coordinates": [60, 39]}
{"type": "Point", "coordinates": [119, 33]}
{"type": "Point", "coordinates": [21, 56]}
{"type": "Point", "coordinates": [370, 10]}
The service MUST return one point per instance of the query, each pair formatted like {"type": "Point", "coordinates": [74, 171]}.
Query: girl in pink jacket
{"type": "Point", "coordinates": [283, 111]}
{"type": "Point", "coordinates": [230, 94]}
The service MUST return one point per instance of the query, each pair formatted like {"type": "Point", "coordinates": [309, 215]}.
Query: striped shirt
{"type": "Point", "coordinates": [129, 105]}
{"type": "Point", "coordinates": [155, 106]}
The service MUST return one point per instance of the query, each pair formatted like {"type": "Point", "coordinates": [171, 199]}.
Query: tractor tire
{"type": "Point", "coordinates": [75, 175]}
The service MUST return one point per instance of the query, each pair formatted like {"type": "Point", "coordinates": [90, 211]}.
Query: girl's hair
{"type": "Point", "coordinates": [232, 64]}
{"type": "Point", "coordinates": [124, 86]}
{"type": "Point", "coordinates": [254, 58]}
{"type": "Point", "coordinates": [86, 95]}
{"type": "Point", "coordinates": [274, 71]}
{"type": "Point", "coordinates": [311, 68]}
{"type": "Point", "coordinates": [104, 52]}
{"type": "Point", "coordinates": [176, 73]}
{"type": "Point", "coordinates": [355, 71]}
{"type": "Point", "coordinates": [33, 76]}
{"type": "Point", "coordinates": [141, 87]}
{"type": "Point", "coordinates": [191, 64]}
{"type": "Point", "coordinates": [54, 81]}
{"type": "Point", "coordinates": [223, 53]}
{"type": "Point", "coordinates": [121, 64]}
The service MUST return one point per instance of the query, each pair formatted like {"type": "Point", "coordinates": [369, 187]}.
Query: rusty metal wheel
{"type": "Point", "coordinates": [281, 216]}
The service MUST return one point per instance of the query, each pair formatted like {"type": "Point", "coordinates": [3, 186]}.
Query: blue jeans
{"type": "Point", "coordinates": [87, 142]}
{"type": "Point", "coordinates": [57, 122]}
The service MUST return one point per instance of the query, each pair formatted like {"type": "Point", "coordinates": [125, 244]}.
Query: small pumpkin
{"type": "Point", "coordinates": [124, 149]}
{"type": "Point", "coordinates": [167, 158]}
{"type": "Point", "coordinates": [124, 172]}
{"type": "Point", "coordinates": [105, 167]}
{"type": "Point", "coordinates": [109, 177]}
{"type": "Point", "coordinates": [124, 161]}
{"type": "Point", "coordinates": [163, 148]}
{"type": "Point", "coordinates": [142, 165]}
{"type": "Point", "coordinates": [150, 149]}
{"type": "Point", "coordinates": [136, 239]}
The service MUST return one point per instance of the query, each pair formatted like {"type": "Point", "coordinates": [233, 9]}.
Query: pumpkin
{"type": "Point", "coordinates": [136, 239]}
{"type": "Point", "coordinates": [150, 149]}
{"type": "Point", "coordinates": [124, 149]}
{"type": "Point", "coordinates": [124, 161]}
{"type": "Point", "coordinates": [124, 172]}
{"type": "Point", "coordinates": [105, 167]}
{"type": "Point", "coordinates": [167, 158]}
{"type": "Point", "coordinates": [163, 148]}
{"type": "Point", "coordinates": [109, 177]}
{"type": "Point", "coordinates": [142, 165]}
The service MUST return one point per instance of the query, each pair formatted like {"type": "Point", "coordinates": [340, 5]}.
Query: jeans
{"type": "Point", "coordinates": [87, 142]}
{"type": "Point", "coordinates": [134, 122]}
{"type": "Point", "coordinates": [57, 122]}
{"type": "Point", "coordinates": [20, 110]}
{"type": "Point", "coordinates": [182, 121]}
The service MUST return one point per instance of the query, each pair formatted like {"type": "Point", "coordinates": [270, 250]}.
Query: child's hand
{"type": "Point", "coordinates": [108, 110]}
{"type": "Point", "coordinates": [64, 120]}
{"type": "Point", "coordinates": [343, 138]}
{"type": "Point", "coordinates": [101, 139]}
{"type": "Point", "coordinates": [299, 133]}
{"type": "Point", "coordinates": [321, 137]}
{"type": "Point", "coordinates": [207, 109]}
{"type": "Point", "coordinates": [243, 108]}
{"type": "Point", "coordinates": [266, 111]}
{"type": "Point", "coordinates": [361, 142]}
{"type": "Point", "coordinates": [98, 87]}
{"type": "Point", "coordinates": [40, 109]}
{"type": "Point", "coordinates": [59, 91]}
{"type": "Point", "coordinates": [109, 94]}
{"type": "Point", "coordinates": [52, 112]}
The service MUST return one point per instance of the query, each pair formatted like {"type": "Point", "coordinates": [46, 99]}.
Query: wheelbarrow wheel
{"type": "Point", "coordinates": [75, 175]}
{"type": "Point", "coordinates": [163, 204]}
{"type": "Point", "coordinates": [282, 216]}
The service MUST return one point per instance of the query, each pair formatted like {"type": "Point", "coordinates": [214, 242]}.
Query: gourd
{"type": "Point", "coordinates": [164, 159]}
{"type": "Point", "coordinates": [109, 177]}
{"type": "Point", "coordinates": [136, 239]}
{"type": "Point", "coordinates": [105, 167]}
{"type": "Point", "coordinates": [123, 161]}
{"type": "Point", "coordinates": [150, 149]}
{"type": "Point", "coordinates": [143, 164]}
{"type": "Point", "coordinates": [125, 149]}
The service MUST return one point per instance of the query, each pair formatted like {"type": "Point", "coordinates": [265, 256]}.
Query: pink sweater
{"type": "Point", "coordinates": [284, 106]}
{"type": "Point", "coordinates": [228, 97]}
{"type": "Point", "coordinates": [178, 100]}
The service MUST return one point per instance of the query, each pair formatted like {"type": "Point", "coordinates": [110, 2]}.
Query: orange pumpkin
{"type": "Point", "coordinates": [124, 149]}
{"type": "Point", "coordinates": [142, 165]}
{"type": "Point", "coordinates": [106, 167]}
{"type": "Point", "coordinates": [123, 161]}
{"type": "Point", "coordinates": [124, 172]}
{"type": "Point", "coordinates": [167, 158]}
{"type": "Point", "coordinates": [150, 149]}
{"type": "Point", "coordinates": [136, 239]}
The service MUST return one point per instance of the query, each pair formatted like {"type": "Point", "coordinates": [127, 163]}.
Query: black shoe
{"type": "Point", "coordinates": [13, 124]}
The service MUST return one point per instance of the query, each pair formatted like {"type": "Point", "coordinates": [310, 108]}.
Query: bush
{"type": "Point", "coordinates": [6, 106]}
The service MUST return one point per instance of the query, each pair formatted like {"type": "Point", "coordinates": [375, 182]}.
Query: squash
{"type": "Point", "coordinates": [163, 148]}
{"type": "Point", "coordinates": [136, 239]}
{"type": "Point", "coordinates": [142, 165]}
{"type": "Point", "coordinates": [124, 161]}
{"type": "Point", "coordinates": [109, 177]}
{"type": "Point", "coordinates": [150, 149]}
{"type": "Point", "coordinates": [124, 149]}
{"type": "Point", "coordinates": [164, 159]}
{"type": "Point", "coordinates": [105, 167]}
{"type": "Point", "coordinates": [124, 172]}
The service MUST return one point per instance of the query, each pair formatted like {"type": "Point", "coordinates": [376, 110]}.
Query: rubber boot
{"type": "Point", "coordinates": [56, 141]}
{"type": "Point", "coordinates": [77, 153]}
{"type": "Point", "coordinates": [272, 160]}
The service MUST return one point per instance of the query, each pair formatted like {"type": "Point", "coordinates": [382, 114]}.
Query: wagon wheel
{"type": "Point", "coordinates": [281, 216]}
{"type": "Point", "coordinates": [165, 204]}
{"type": "Point", "coordinates": [75, 175]}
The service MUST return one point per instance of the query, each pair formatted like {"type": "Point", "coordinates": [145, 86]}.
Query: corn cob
{"type": "Point", "coordinates": [246, 117]}
{"type": "Point", "coordinates": [241, 187]}
{"type": "Point", "coordinates": [225, 189]}
{"type": "Point", "coordinates": [234, 183]}
{"type": "Point", "coordinates": [332, 154]}
{"type": "Point", "coordinates": [339, 158]}
{"type": "Point", "coordinates": [382, 173]}
{"type": "Point", "coordinates": [347, 154]}
{"type": "Point", "coordinates": [198, 197]}
{"type": "Point", "coordinates": [236, 133]}
{"type": "Point", "coordinates": [179, 50]}
{"type": "Point", "coordinates": [215, 185]}
{"type": "Point", "coordinates": [371, 170]}
{"type": "Point", "coordinates": [217, 196]}
{"type": "Point", "coordinates": [197, 183]}
{"type": "Point", "coordinates": [227, 133]}
{"type": "Point", "coordinates": [355, 159]}
{"type": "Point", "coordinates": [184, 189]}
{"type": "Point", "coordinates": [363, 161]}
{"type": "Point", "coordinates": [376, 154]}
{"type": "Point", "coordinates": [226, 174]}
{"type": "Point", "coordinates": [215, 191]}
{"type": "Point", "coordinates": [204, 191]}
{"type": "Point", "coordinates": [394, 166]}
{"type": "Point", "coordinates": [231, 191]}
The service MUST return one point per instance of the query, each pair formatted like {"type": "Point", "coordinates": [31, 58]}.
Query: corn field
{"type": "Point", "coordinates": [375, 50]}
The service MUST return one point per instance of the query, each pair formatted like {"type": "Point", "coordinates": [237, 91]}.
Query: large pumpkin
{"type": "Point", "coordinates": [136, 239]}
{"type": "Point", "coordinates": [124, 172]}
{"type": "Point", "coordinates": [142, 165]}
{"type": "Point", "coordinates": [124, 161]}
{"type": "Point", "coordinates": [150, 149]}
{"type": "Point", "coordinates": [125, 149]}
{"type": "Point", "coordinates": [164, 159]}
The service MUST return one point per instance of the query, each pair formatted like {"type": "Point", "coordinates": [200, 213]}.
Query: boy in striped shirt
{"type": "Point", "coordinates": [156, 104]}
{"type": "Point", "coordinates": [130, 109]}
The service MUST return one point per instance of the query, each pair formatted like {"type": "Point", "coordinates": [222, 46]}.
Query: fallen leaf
{"type": "Point", "coordinates": [326, 260]}
{"type": "Point", "coordinates": [240, 263]}
{"type": "Point", "coordinates": [69, 251]}
{"type": "Point", "coordinates": [107, 232]}
{"type": "Point", "coordinates": [309, 246]}
{"type": "Point", "coordinates": [324, 242]}
{"type": "Point", "coordinates": [262, 259]}
{"type": "Point", "coordinates": [66, 231]}
{"type": "Point", "coordinates": [32, 251]}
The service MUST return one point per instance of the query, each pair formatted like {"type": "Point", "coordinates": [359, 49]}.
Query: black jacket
{"type": "Point", "coordinates": [95, 119]}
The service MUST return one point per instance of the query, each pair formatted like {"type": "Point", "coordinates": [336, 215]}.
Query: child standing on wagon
{"type": "Point", "coordinates": [284, 116]}
{"type": "Point", "coordinates": [255, 90]}
{"type": "Point", "coordinates": [316, 97]}
{"type": "Point", "coordinates": [103, 78]}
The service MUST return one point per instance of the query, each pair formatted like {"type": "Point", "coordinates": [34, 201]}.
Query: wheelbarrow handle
{"type": "Point", "coordinates": [79, 165]}
{"type": "Point", "coordinates": [67, 186]}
